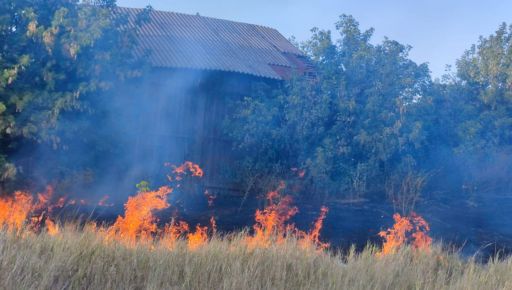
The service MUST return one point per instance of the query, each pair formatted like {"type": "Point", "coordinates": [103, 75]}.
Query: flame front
{"type": "Point", "coordinates": [138, 222]}
{"type": "Point", "coordinates": [15, 210]}
{"type": "Point", "coordinates": [313, 237]}
{"type": "Point", "coordinates": [21, 210]}
{"type": "Point", "coordinates": [197, 238]}
{"type": "Point", "coordinates": [173, 232]}
{"type": "Point", "coordinates": [52, 227]}
{"type": "Point", "coordinates": [272, 225]}
{"type": "Point", "coordinates": [411, 230]}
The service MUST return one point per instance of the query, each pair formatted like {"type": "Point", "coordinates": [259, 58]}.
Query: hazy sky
{"type": "Point", "coordinates": [438, 30]}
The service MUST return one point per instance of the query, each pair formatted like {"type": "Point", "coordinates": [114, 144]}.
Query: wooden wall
{"type": "Point", "coordinates": [177, 115]}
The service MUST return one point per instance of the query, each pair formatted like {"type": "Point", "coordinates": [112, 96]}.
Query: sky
{"type": "Point", "coordinates": [439, 31]}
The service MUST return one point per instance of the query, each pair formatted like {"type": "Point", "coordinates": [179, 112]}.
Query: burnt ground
{"type": "Point", "coordinates": [477, 226]}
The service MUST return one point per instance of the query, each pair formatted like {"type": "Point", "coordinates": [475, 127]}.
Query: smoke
{"type": "Point", "coordinates": [468, 199]}
{"type": "Point", "coordinates": [129, 135]}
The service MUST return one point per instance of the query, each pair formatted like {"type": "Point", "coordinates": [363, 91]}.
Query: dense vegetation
{"type": "Point", "coordinates": [58, 59]}
{"type": "Point", "coordinates": [373, 123]}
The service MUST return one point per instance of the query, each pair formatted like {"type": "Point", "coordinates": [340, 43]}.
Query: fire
{"type": "Point", "coordinates": [182, 170]}
{"type": "Point", "coordinates": [197, 238]}
{"type": "Point", "coordinates": [140, 224]}
{"type": "Point", "coordinates": [52, 227]}
{"type": "Point", "coordinates": [43, 199]}
{"type": "Point", "coordinates": [271, 221]}
{"type": "Point", "coordinates": [22, 210]}
{"type": "Point", "coordinates": [411, 229]}
{"type": "Point", "coordinates": [313, 237]}
{"type": "Point", "coordinates": [138, 221]}
{"type": "Point", "coordinates": [272, 224]}
{"type": "Point", "coordinates": [15, 210]}
{"type": "Point", "coordinates": [172, 232]}
{"type": "Point", "coordinates": [176, 230]}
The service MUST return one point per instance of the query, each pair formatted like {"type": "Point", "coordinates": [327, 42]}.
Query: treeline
{"type": "Point", "coordinates": [374, 124]}
{"type": "Point", "coordinates": [59, 60]}
{"type": "Point", "coordinates": [371, 124]}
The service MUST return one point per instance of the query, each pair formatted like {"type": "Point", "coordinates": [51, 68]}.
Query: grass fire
{"type": "Point", "coordinates": [233, 146]}
{"type": "Point", "coordinates": [274, 253]}
{"type": "Point", "coordinates": [139, 225]}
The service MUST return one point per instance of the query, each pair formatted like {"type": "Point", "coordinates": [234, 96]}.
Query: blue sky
{"type": "Point", "coordinates": [438, 30]}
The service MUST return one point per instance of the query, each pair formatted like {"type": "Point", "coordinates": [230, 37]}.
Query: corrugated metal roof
{"type": "Point", "coordinates": [177, 40]}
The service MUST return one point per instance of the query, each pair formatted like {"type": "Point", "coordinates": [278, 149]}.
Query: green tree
{"type": "Point", "coordinates": [57, 58]}
{"type": "Point", "coordinates": [471, 116]}
{"type": "Point", "coordinates": [484, 85]}
{"type": "Point", "coordinates": [351, 129]}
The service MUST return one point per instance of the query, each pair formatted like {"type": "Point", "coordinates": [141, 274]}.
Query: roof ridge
{"type": "Point", "coordinates": [201, 16]}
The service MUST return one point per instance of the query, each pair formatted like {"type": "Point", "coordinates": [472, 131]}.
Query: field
{"type": "Point", "coordinates": [81, 259]}
{"type": "Point", "coordinates": [138, 252]}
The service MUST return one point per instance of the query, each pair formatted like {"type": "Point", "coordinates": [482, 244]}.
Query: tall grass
{"type": "Point", "coordinates": [82, 260]}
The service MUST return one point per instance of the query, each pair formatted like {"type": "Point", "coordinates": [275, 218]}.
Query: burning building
{"type": "Point", "coordinates": [175, 112]}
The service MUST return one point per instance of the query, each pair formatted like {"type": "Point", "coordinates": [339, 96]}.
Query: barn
{"type": "Point", "coordinates": [197, 64]}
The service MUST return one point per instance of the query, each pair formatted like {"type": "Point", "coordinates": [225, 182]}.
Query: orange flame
{"type": "Point", "coordinates": [181, 170]}
{"type": "Point", "coordinates": [172, 232]}
{"type": "Point", "coordinates": [271, 221]}
{"type": "Point", "coordinates": [20, 210]}
{"type": "Point", "coordinates": [271, 224]}
{"type": "Point", "coordinates": [51, 227]}
{"type": "Point", "coordinates": [412, 229]}
{"type": "Point", "coordinates": [138, 221]}
{"type": "Point", "coordinates": [313, 237]}
{"type": "Point", "coordinates": [197, 238]}
{"type": "Point", "coordinates": [15, 210]}
{"type": "Point", "coordinates": [43, 200]}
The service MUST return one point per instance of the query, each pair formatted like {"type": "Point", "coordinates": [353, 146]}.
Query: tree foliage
{"type": "Point", "coordinates": [357, 122]}
{"type": "Point", "coordinates": [484, 80]}
{"type": "Point", "coordinates": [57, 57]}
{"type": "Point", "coordinates": [373, 120]}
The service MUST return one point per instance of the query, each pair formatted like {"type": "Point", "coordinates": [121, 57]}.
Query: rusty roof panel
{"type": "Point", "coordinates": [177, 40]}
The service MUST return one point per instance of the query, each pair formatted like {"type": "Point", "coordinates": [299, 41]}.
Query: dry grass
{"type": "Point", "coordinates": [81, 260]}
